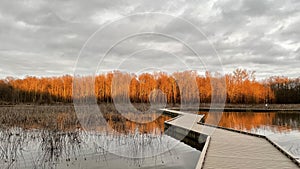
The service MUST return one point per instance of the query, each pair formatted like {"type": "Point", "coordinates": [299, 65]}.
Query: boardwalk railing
{"type": "Point", "coordinates": [203, 154]}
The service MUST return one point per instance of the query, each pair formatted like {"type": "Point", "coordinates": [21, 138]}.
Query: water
{"type": "Point", "coordinates": [282, 128]}
{"type": "Point", "coordinates": [50, 137]}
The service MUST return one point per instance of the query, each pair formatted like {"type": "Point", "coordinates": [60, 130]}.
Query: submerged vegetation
{"type": "Point", "coordinates": [48, 136]}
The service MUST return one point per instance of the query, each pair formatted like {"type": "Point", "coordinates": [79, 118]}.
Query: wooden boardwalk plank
{"type": "Point", "coordinates": [242, 153]}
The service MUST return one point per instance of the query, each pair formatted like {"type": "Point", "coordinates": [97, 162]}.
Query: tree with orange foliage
{"type": "Point", "coordinates": [179, 87]}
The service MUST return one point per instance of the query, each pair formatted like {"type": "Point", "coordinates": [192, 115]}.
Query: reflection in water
{"type": "Point", "coordinates": [276, 122]}
{"type": "Point", "coordinates": [36, 149]}
{"type": "Point", "coordinates": [55, 145]}
{"type": "Point", "coordinates": [53, 149]}
{"type": "Point", "coordinates": [281, 127]}
{"type": "Point", "coordinates": [49, 137]}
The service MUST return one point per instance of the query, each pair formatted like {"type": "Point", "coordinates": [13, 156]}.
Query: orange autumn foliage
{"type": "Point", "coordinates": [179, 87]}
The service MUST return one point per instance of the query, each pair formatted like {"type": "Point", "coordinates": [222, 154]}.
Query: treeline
{"type": "Point", "coordinates": [286, 90]}
{"type": "Point", "coordinates": [36, 90]}
{"type": "Point", "coordinates": [188, 86]}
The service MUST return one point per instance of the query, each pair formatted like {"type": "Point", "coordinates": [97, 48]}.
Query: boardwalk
{"type": "Point", "coordinates": [229, 149]}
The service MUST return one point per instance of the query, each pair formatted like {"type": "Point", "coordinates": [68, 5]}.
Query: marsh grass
{"type": "Point", "coordinates": [49, 135]}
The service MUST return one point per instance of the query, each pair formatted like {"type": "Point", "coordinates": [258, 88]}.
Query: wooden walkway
{"type": "Point", "coordinates": [228, 149]}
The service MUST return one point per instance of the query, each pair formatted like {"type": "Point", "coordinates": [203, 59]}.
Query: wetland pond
{"type": "Point", "coordinates": [52, 137]}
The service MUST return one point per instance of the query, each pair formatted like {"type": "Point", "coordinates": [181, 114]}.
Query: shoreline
{"type": "Point", "coordinates": [202, 107]}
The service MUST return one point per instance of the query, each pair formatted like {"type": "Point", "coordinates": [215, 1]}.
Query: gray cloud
{"type": "Point", "coordinates": [44, 38]}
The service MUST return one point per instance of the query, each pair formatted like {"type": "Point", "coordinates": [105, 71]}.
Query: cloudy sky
{"type": "Point", "coordinates": [55, 37]}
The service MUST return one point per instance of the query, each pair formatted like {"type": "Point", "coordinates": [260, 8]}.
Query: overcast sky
{"type": "Point", "coordinates": [44, 38]}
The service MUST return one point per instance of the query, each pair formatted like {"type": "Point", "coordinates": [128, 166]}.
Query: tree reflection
{"type": "Point", "coordinates": [249, 121]}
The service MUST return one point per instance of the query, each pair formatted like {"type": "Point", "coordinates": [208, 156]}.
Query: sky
{"type": "Point", "coordinates": [55, 37]}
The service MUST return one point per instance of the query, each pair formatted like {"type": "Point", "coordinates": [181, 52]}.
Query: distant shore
{"type": "Point", "coordinates": [202, 106]}
{"type": "Point", "coordinates": [244, 107]}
